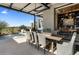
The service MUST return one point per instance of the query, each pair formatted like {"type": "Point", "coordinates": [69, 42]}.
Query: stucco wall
{"type": "Point", "coordinates": [48, 21]}
{"type": "Point", "coordinates": [48, 17]}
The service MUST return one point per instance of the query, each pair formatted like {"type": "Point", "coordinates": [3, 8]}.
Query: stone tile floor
{"type": "Point", "coordinates": [8, 46]}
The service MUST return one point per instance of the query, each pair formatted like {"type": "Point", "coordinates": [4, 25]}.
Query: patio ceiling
{"type": "Point", "coordinates": [29, 8]}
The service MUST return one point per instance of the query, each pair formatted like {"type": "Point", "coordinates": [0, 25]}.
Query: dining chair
{"type": "Point", "coordinates": [66, 48]}
{"type": "Point", "coordinates": [42, 41]}
{"type": "Point", "coordinates": [31, 41]}
{"type": "Point", "coordinates": [43, 45]}
{"type": "Point", "coordinates": [28, 38]}
{"type": "Point", "coordinates": [35, 37]}
{"type": "Point", "coordinates": [76, 45]}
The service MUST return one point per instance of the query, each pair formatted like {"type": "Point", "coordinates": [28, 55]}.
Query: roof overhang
{"type": "Point", "coordinates": [28, 8]}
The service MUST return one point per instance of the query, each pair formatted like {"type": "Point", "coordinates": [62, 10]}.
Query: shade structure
{"type": "Point", "coordinates": [28, 7]}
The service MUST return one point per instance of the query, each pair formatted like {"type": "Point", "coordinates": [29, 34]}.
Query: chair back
{"type": "Point", "coordinates": [32, 36]}
{"type": "Point", "coordinates": [66, 48]}
{"type": "Point", "coordinates": [28, 38]}
{"type": "Point", "coordinates": [73, 38]}
{"type": "Point", "coordinates": [41, 38]}
{"type": "Point", "coordinates": [35, 37]}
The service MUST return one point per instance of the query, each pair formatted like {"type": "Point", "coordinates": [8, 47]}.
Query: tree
{"type": "Point", "coordinates": [23, 27]}
{"type": "Point", "coordinates": [3, 24]}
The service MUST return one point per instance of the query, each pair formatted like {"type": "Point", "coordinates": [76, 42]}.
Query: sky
{"type": "Point", "coordinates": [14, 18]}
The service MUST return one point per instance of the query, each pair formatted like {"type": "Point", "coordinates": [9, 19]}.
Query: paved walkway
{"type": "Point", "coordinates": [8, 46]}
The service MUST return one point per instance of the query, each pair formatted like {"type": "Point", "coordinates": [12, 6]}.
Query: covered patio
{"type": "Point", "coordinates": [54, 36]}
{"type": "Point", "coordinates": [17, 44]}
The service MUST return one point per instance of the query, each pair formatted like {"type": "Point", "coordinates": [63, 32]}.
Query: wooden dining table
{"type": "Point", "coordinates": [56, 38]}
{"type": "Point", "coordinates": [52, 39]}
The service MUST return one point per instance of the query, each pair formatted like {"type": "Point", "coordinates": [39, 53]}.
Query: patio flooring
{"type": "Point", "coordinates": [8, 46]}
